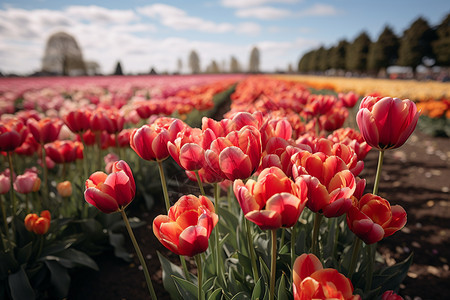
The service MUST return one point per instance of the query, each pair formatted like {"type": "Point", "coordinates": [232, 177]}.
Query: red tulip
{"type": "Point", "coordinates": [386, 123]}
{"type": "Point", "coordinates": [113, 192]}
{"type": "Point", "coordinates": [188, 225]}
{"type": "Point", "coordinates": [187, 149]}
{"type": "Point", "coordinates": [372, 218]}
{"type": "Point", "coordinates": [273, 201]}
{"type": "Point", "coordinates": [38, 225]}
{"type": "Point", "coordinates": [390, 295]}
{"type": "Point", "coordinates": [45, 130]}
{"type": "Point", "coordinates": [353, 139]}
{"type": "Point", "coordinates": [64, 151]}
{"type": "Point", "coordinates": [348, 100]}
{"type": "Point", "coordinates": [238, 155]}
{"type": "Point", "coordinates": [13, 133]}
{"type": "Point", "coordinates": [78, 120]}
{"type": "Point", "coordinates": [312, 281]}
{"type": "Point", "coordinates": [29, 146]}
{"type": "Point", "coordinates": [330, 183]}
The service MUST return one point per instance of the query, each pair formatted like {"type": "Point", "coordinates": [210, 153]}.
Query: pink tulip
{"type": "Point", "coordinates": [386, 123]}
{"type": "Point", "coordinates": [27, 182]}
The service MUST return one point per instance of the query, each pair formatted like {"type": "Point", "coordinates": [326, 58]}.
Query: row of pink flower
{"type": "Point", "coordinates": [50, 93]}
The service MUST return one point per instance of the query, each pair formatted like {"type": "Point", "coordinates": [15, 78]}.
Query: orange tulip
{"type": "Point", "coordinates": [186, 228]}
{"type": "Point", "coordinates": [273, 201]}
{"type": "Point", "coordinates": [312, 281]}
{"type": "Point", "coordinates": [330, 183]}
{"type": "Point", "coordinates": [64, 188]}
{"type": "Point", "coordinates": [386, 123]}
{"type": "Point", "coordinates": [38, 225]}
{"type": "Point", "coordinates": [372, 218]}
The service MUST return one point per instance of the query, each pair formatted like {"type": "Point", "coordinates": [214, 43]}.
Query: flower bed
{"type": "Point", "coordinates": [280, 208]}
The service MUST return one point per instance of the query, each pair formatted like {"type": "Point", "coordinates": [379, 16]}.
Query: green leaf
{"type": "Point", "coordinates": [57, 246]}
{"type": "Point", "coordinates": [241, 296]}
{"type": "Point", "coordinates": [117, 240]}
{"type": "Point", "coordinates": [79, 258]}
{"type": "Point", "coordinates": [23, 254]}
{"type": "Point", "coordinates": [390, 278]}
{"type": "Point", "coordinates": [209, 284]}
{"type": "Point", "coordinates": [245, 262]}
{"type": "Point", "coordinates": [187, 289]}
{"type": "Point", "coordinates": [265, 272]}
{"type": "Point", "coordinates": [59, 278]}
{"type": "Point", "coordinates": [216, 295]}
{"type": "Point", "coordinates": [283, 293]}
{"type": "Point", "coordinates": [168, 270]}
{"type": "Point", "coordinates": [259, 290]}
{"type": "Point", "coordinates": [20, 286]}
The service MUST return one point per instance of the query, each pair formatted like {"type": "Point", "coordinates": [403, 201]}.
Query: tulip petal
{"type": "Point", "coordinates": [101, 200]}
{"type": "Point", "coordinates": [235, 164]}
{"type": "Point", "coordinates": [193, 240]}
{"type": "Point", "coordinates": [265, 219]}
{"type": "Point", "coordinates": [288, 206]}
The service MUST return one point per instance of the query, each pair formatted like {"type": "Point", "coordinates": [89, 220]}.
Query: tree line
{"type": "Point", "coordinates": [420, 44]}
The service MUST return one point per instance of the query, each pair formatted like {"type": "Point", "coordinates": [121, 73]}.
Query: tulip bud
{"type": "Point", "coordinates": [64, 189]}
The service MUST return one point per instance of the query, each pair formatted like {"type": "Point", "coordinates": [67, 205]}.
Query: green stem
{"type": "Point", "coordinates": [200, 184]}
{"type": "Point", "coordinates": [185, 269]}
{"type": "Point", "coordinates": [163, 184]}
{"type": "Point", "coordinates": [378, 175]}
{"type": "Point", "coordinates": [98, 138]}
{"type": "Point", "coordinates": [293, 238]}
{"type": "Point", "coordinates": [273, 265]}
{"type": "Point", "coordinates": [27, 203]}
{"type": "Point", "coordinates": [12, 195]}
{"type": "Point", "coordinates": [216, 231]}
{"type": "Point", "coordinates": [315, 237]}
{"type": "Point", "coordinates": [251, 250]}
{"type": "Point", "coordinates": [5, 223]}
{"type": "Point", "coordinates": [371, 250]}
{"type": "Point", "coordinates": [355, 255]}
{"type": "Point", "coordinates": [45, 194]}
{"type": "Point", "coordinates": [139, 254]}
{"type": "Point", "coordinates": [198, 261]}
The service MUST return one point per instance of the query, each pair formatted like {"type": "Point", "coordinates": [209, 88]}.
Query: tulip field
{"type": "Point", "coordinates": [223, 187]}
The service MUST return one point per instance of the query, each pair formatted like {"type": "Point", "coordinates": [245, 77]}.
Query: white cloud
{"type": "Point", "coordinates": [263, 12]}
{"type": "Point", "coordinates": [320, 10]}
{"type": "Point", "coordinates": [97, 14]}
{"type": "Point", "coordinates": [253, 3]}
{"type": "Point", "coordinates": [178, 19]}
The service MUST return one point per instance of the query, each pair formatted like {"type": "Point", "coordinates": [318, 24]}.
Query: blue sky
{"type": "Point", "coordinates": [144, 34]}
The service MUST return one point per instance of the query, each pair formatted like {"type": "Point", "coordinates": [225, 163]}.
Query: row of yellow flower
{"type": "Point", "coordinates": [432, 97]}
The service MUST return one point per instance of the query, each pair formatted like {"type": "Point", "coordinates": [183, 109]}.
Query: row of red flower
{"type": "Point", "coordinates": [279, 148]}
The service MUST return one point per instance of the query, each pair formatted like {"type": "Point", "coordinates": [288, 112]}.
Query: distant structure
{"type": "Point", "coordinates": [63, 56]}
{"type": "Point", "coordinates": [254, 61]}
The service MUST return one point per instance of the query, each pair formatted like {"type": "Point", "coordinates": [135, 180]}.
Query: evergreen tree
{"type": "Point", "coordinates": [194, 62]}
{"type": "Point", "coordinates": [441, 47]}
{"type": "Point", "coordinates": [323, 60]}
{"type": "Point", "coordinates": [415, 45]}
{"type": "Point", "coordinates": [235, 67]}
{"type": "Point", "coordinates": [304, 62]}
{"type": "Point", "coordinates": [337, 55]}
{"type": "Point", "coordinates": [254, 61]}
{"type": "Point", "coordinates": [356, 55]}
{"type": "Point", "coordinates": [384, 52]}
{"type": "Point", "coordinates": [118, 70]}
